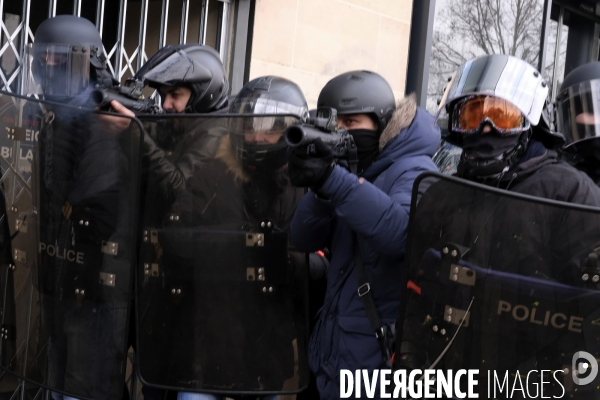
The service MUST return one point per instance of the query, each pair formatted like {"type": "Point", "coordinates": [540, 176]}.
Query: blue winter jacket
{"type": "Point", "coordinates": [375, 210]}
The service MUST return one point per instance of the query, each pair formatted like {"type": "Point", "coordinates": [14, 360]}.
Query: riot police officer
{"type": "Point", "coordinates": [82, 205]}
{"type": "Point", "coordinates": [502, 123]}
{"type": "Point", "coordinates": [190, 79]}
{"type": "Point", "coordinates": [497, 112]}
{"type": "Point", "coordinates": [61, 76]}
{"type": "Point", "coordinates": [578, 117]}
{"type": "Point", "coordinates": [506, 137]}
{"type": "Point", "coordinates": [245, 189]}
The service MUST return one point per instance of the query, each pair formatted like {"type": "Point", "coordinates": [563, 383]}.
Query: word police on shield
{"type": "Point", "coordinates": [580, 367]}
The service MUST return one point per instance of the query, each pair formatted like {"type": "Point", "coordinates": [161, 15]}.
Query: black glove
{"type": "Point", "coordinates": [310, 166]}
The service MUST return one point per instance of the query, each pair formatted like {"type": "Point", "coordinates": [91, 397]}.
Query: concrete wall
{"type": "Point", "coordinates": [311, 41]}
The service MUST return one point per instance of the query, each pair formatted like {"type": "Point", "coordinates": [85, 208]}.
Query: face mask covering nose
{"type": "Point", "coordinates": [367, 145]}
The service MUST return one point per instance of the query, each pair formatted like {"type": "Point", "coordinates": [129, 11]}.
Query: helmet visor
{"type": "Point", "coordinates": [579, 112]}
{"type": "Point", "coordinates": [258, 139]}
{"type": "Point", "coordinates": [262, 130]}
{"type": "Point", "coordinates": [500, 76]}
{"type": "Point", "coordinates": [176, 68]}
{"type": "Point", "coordinates": [474, 111]}
{"type": "Point", "coordinates": [56, 69]}
{"type": "Point", "coordinates": [263, 104]}
{"type": "Point", "coordinates": [267, 125]}
{"type": "Point", "coordinates": [156, 59]}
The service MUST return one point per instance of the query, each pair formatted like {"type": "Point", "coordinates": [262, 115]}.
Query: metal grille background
{"type": "Point", "coordinates": [154, 23]}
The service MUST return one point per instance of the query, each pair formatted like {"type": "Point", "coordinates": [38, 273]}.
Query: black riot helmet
{"type": "Point", "coordinates": [492, 108]}
{"type": "Point", "coordinates": [195, 66]}
{"type": "Point", "coordinates": [360, 92]}
{"type": "Point", "coordinates": [276, 103]}
{"type": "Point", "coordinates": [499, 76]}
{"type": "Point", "coordinates": [73, 30]}
{"type": "Point", "coordinates": [578, 110]}
{"type": "Point", "coordinates": [66, 57]}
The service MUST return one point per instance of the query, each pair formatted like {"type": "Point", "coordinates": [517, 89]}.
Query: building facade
{"type": "Point", "coordinates": [414, 44]}
{"type": "Point", "coordinates": [307, 41]}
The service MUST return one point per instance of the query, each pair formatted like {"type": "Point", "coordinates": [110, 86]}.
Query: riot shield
{"type": "Point", "coordinates": [221, 295]}
{"type": "Point", "coordinates": [69, 189]}
{"type": "Point", "coordinates": [503, 283]}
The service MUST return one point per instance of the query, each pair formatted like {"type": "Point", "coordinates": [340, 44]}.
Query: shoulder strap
{"type": "Point", "coordinates": [364, 292]}
{"type": "Point", "coordinates": [385, 334]}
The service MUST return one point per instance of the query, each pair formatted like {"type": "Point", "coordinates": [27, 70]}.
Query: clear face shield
{"type": "Point", "coordinates": [259, 139]}
{"type": "Point", "coordinates": [260, 104]}
{"type": "Point", "coordinates": [175, 68]}
{"type": "Point", "coordinates": [263, 130]}
{"type": "Point", "coordinates": [579, 114]}
{"type": "Point", "coordinates": [266, 128]}
{"type": "Point", "coordinates": [257, 136]}
{"type": "Point", "coordinates": [498, 77]}
{"type": "Point", "coordinates": [56, 70]}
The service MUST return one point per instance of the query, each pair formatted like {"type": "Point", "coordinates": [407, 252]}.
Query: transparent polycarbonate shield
{"type": "Point", "coordinates": [57, 70]}
{"type": "Point", "coordinates": [68, 206]}
{"type": "Point", "coordinates": [502, 283]}
{"type": "Point", "coordinates": [578, 116]}
{"type": "Point", "coordinates": [221, 295]}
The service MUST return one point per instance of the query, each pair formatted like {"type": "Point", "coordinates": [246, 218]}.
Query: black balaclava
{"type": "Point", "coordinates": [489, 155]}
{"type": "Point", "coordinates": [367, 145]}
{"type": "Point", "coordinates": [264, 158]}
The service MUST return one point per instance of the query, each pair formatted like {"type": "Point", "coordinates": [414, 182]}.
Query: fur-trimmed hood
{"type": "Point", "coordinates": [403, 116]}
{"type": "Point", "coordinates": [411, 132]}
{"type": "Point", "coordinates": [225, 154]}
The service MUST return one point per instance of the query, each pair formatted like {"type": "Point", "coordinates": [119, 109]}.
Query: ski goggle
{"type": "Point", "coordinates": [472, 112]}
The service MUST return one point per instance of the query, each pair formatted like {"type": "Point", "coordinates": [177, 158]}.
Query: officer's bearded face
{"type": "Point", "coordinates": [175, 98]}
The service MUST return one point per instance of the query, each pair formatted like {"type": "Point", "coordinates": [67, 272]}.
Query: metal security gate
{"type": "Point", "coordinates": [131, 29]}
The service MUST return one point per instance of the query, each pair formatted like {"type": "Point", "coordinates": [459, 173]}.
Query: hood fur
{"type": "Point", "coordinates": [403, 116]}
{"type": "Point", "coordinates": [225, 154]}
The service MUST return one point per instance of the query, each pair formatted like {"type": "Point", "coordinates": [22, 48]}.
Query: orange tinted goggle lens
{"type": "Point", "coordinates": [502, 113]}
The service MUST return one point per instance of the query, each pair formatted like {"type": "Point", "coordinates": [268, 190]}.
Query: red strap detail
{"type": "Point", "coordinates": [320, 252]}
{"type": "Point", "coordinates": [413, 286]}
{"type": "Point", "coordinates": [393, 357]}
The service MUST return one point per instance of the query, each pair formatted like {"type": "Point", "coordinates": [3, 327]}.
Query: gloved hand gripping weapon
{"type": "Point", "coordinates": [324, 127]}
{"type": "Point", "coordinates": [129, 95]}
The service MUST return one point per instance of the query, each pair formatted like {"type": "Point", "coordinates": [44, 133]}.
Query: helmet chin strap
{"type": "Point", "coordinates": [493, 167]}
